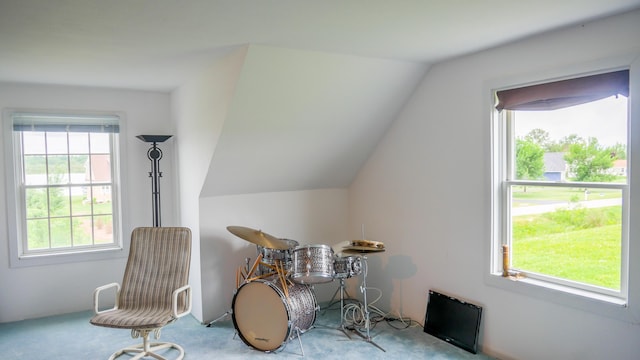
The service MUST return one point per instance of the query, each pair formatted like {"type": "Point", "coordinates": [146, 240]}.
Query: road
{"type": "Point", "coordinates": [539, 209]}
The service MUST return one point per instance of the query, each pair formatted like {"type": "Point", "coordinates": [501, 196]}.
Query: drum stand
{"type": "Point", "coordinates": [342, 290]}
{"type": "Point", "coordinates": [298, 332]}
{"type": "Point", "coordinates": [367, 314]}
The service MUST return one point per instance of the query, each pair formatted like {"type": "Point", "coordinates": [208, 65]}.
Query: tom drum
{"type": "Point", "coordinates": [312, 264]}
{"type": "Point", "coordinates": [347, 266]}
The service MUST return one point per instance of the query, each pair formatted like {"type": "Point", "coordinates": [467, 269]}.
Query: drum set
{"type": "Point", "coordinates": [274, 301]}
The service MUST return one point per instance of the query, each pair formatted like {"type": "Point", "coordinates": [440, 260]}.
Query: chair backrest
{"type": "Point", "coordinates": [159, 260]}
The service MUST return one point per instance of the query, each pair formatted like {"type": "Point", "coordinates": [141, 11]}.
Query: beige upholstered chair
{"type": "Point", "coordinates": [154, 291]}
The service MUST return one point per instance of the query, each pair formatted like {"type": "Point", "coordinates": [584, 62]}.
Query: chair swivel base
{"type": "Point", "coordinates": [149, 352]}
{"type": "Point", "coordinates": [147, 349]}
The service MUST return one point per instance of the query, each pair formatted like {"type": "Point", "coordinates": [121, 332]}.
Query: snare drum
{"type": "Point", "coordinates": [312, 264]}
{"type": "Point", "coordinates": [266, 319]}
{"type": "Point", "coordinates": [347, 266]}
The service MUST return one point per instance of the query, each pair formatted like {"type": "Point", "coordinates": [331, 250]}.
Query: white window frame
{"type": "Point", "coordinates": [506, 145]}
{"type": "Point", "coordinates": [19, 257]}
{"type": "Point", "coordinates": [625, 307]}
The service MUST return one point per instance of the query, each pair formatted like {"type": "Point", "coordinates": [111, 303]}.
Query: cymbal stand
{"type": "Point", "coordinates": [342, 292]}
{"type": "Point", "coordinates": [367, 314]}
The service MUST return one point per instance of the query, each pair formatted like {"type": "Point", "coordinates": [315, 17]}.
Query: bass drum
{"type": "Point", "coordinates": [266, 319]}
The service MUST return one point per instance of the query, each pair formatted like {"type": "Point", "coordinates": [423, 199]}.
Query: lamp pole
{"type": "Point", "coordinates": [154, 154]}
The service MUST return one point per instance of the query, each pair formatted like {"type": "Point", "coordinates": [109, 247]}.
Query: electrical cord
{"type": "Point", "coordinates": [354, 313]}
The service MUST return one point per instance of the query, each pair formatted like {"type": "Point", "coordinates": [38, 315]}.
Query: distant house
{"type": "Point", "coordinates": [619, 168]}
{"type": "Point", "coordinates": [555, 167]}
{"type": "Point", "coordinates": [98, 172]}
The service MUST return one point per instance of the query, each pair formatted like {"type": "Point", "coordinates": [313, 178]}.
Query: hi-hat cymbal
{"type": "Point", "coordinates": [259, 238]}
{"type": "Point", "coordinates": [361, 249]}
{"type": "Point", "coordinates": [368, 243]}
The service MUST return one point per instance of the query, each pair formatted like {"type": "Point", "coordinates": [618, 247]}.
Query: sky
{"type": "Point", "coordinates": [605, 120]}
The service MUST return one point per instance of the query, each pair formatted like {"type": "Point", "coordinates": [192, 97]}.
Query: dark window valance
{"type": "Point", "coordinates": [565, 93]}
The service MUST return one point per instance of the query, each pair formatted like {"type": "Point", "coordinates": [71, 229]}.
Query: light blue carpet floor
{"type": "Point", "coordinates": [71, 337]}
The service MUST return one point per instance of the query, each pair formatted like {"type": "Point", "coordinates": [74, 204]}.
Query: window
{"type": "Point", "coordinates": [562, 185]}
{"type": "Point", "coordinates": [64, 183]}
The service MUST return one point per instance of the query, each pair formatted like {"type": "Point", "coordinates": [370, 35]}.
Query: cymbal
{"type": "Point", "coordinates": [259, 238]}
{"type": "Point", "coordinates": [368, 243]}
{"type": "Point", "coordinates": [361, 249]}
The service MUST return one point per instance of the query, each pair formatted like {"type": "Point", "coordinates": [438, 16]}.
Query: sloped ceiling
{"type": "Point", "coordinates": [305, 120]}
{"type": "Point", "coordinates": [156, 44]}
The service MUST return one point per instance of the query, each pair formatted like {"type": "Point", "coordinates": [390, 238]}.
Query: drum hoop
{"type": "Point", "coordinates": [288, 311]}
{"type": "Point", "coordinates": [314, 273]}
{"type": "Point", "coordinates": [314, 246]}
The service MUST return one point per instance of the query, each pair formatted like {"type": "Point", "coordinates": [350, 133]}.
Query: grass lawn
{"type": "Point", "coordinates": [582, 245]}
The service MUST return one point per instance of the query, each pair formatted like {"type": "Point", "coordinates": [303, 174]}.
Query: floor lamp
{"type": "Point", "coordinates": [155, 154]}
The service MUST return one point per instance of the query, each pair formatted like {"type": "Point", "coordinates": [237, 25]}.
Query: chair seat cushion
{"type": "Point", "coordinates": [134, 318]}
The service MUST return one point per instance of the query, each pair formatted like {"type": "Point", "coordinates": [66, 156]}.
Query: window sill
{"type": "Point", "coordinates": [67, 257]}
{"type": "Point", "coordinates": [606, 305]}
{"type": "Point", "coordinates": [572, 291]}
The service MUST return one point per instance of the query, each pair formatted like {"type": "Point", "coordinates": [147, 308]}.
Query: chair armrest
{"type": "Point", "coordinates": [174, 301]}
{"type": "Point", "coordinates": [96, 297]}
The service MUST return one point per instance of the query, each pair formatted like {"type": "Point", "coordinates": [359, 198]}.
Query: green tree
{"type": "Point", "coordinates": [529, 160]}
{"type": "Point", "coordinates": [539, 137]}
{"type": "Point", "coordinates": [618, 151]}
{"type": "Point", "coordinates": [589, 161]}
{"type": "Point", "coordinates": [563, 144]}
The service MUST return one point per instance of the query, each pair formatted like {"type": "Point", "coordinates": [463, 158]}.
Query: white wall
{"type": "Point", "coordinates": [260, 122]}
{"type": "Point", "coordinates": [309, 217]}
{"type": "Point", "coordinates": [29, 292]}
{"type": "Point", "coordinates": [426, 193]}
{"type": "Point", "coordinates": [199, 109]}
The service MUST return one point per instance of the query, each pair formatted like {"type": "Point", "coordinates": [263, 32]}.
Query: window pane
{"type": "Point", "coordinates": [569, 233]}
{"type": "Point", "coordinates": [100, 169]}
{"type": "Point", "coordinates": [37, 203]}
{"type": "Point", "coordinates": [103, 229]}
{"type": "Point", "coordinates": [38, 234]}
{"type": "Point", "coordinates": [57, 143]}
{"type": "Point", "coordinates": [35, 170]}
{"type": "Point", "coordinates": [60, 232]}
{"type": "Point", "coordinates": [82, 230]}
{"type": "Point", "coordinates": [59, 202]}
{"type": "Point", "coordinates": [58, 166]}
{"type": "Point", "coordinates": [102, 203]}
{"type": "Point", "coordinates": [583, 143]}
{"type": "Point", "coordinates": [100, 143]}
{"type": "Point", "coordinates": [80, 203]}
{"type": "Point", "coordinates": [78, 143]}
{"type": "Point", "coordinates": [33, 143]}
{"type": "Point", "coordinates": [79, 170]}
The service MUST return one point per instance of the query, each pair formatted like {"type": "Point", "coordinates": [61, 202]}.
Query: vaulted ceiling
{"type": "Point", "coordinates": [320, 83]}
{"type": "Point", "coordinates": [154, 44]}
